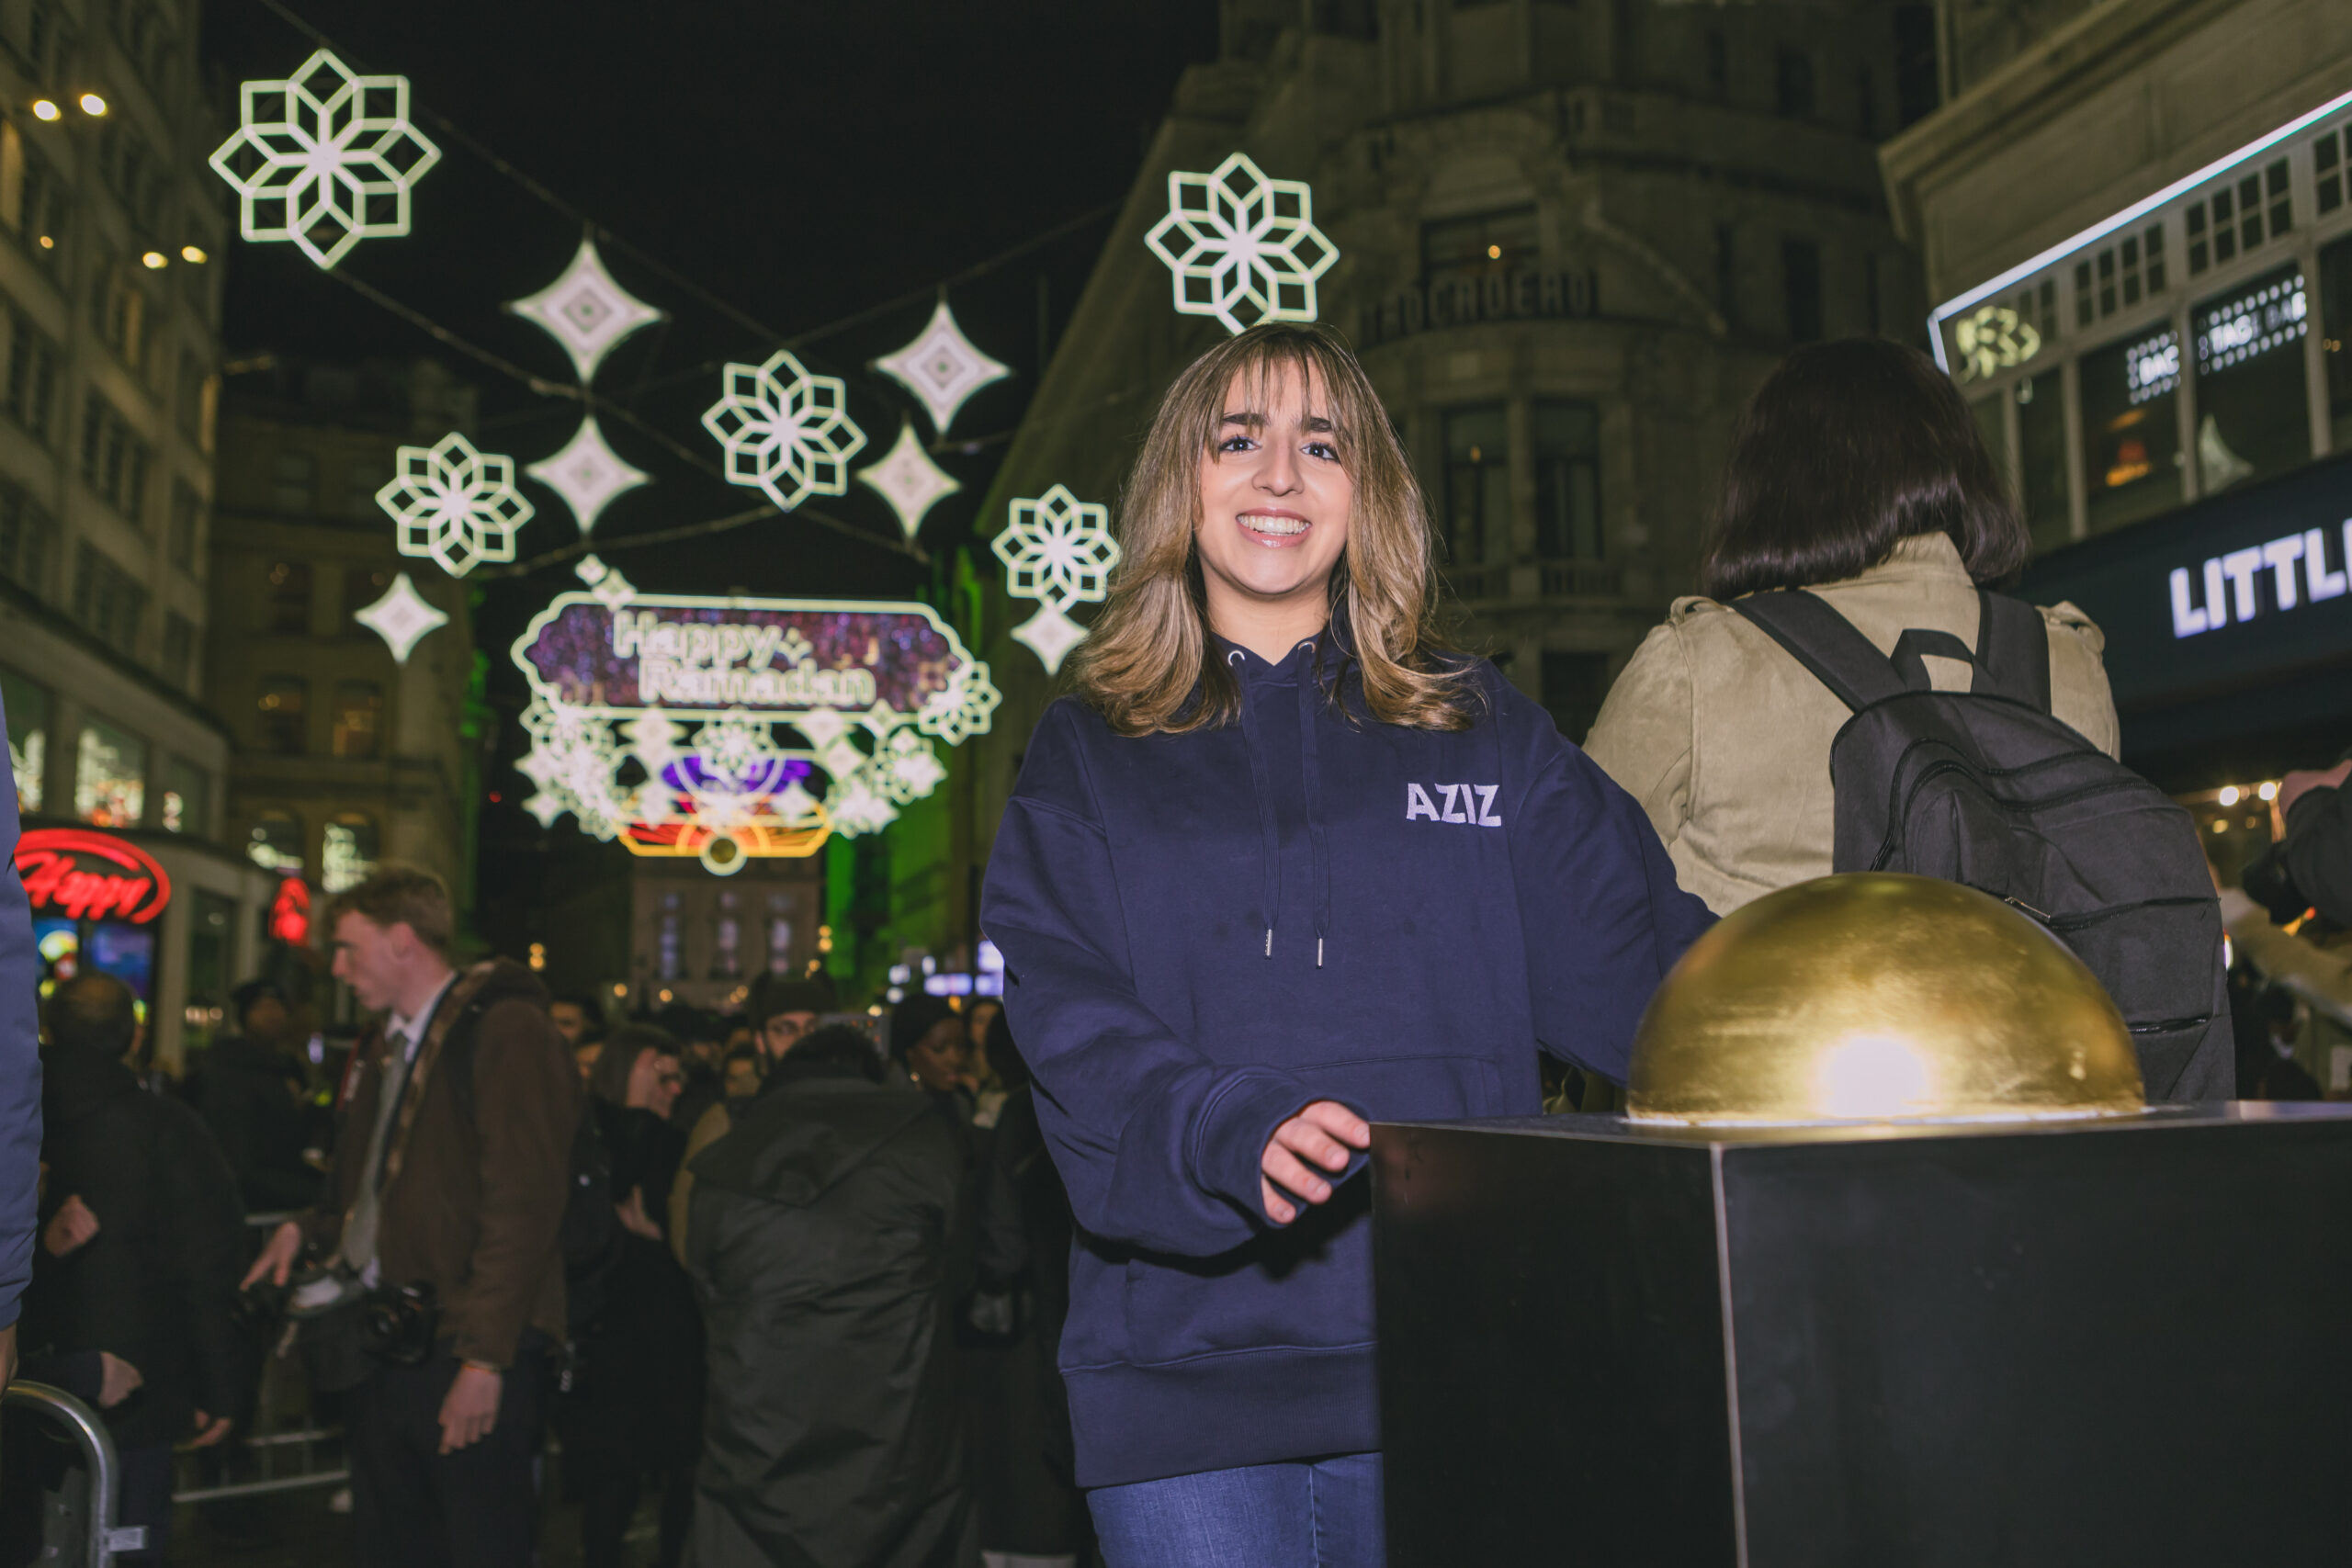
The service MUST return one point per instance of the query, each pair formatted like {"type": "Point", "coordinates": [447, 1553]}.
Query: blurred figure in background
{"type": "Point", "coordinates": [928, 1041]}
{"type": "Point", "coordinates": [634, 1408]}
{"type": "Point", "coordinates": [580, 1019]}
{"type": "Point", "coordinates": [781, 1010]}
{"type": "Point", "coordinates": [253, 1099]}
{"type": "Point", "coordinates": [2292, 921]}
{"type": "Point", "coordinates": [702, 1044]}
{"type": "Point", "coordinates": [21, 1086]}
{"type": "Point", "coordinates": [741, 1075]}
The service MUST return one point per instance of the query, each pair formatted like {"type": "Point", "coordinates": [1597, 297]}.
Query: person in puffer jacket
{"type": "Point", "coordinates": [1282, 865]}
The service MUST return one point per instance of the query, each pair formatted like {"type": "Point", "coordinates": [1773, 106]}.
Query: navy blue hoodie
{"type": "Point", "coordinates": [1205, 932]}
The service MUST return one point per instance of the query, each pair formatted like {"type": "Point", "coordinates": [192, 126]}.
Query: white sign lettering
{"type": "Point", "coordinates": [2299, 571]}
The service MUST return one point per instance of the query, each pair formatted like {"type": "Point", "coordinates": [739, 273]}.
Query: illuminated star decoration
{"type": "Point", "coordinates": [585, 310]}
{"type": "Point", "coordinates": [455, 504]}
{"type": "Point", "coordinates": [1234, 237]}
{"type": "Point", "coordinates": [588, 474]}
{"type": "Point", "coordinates": [605, 582]}
{"type": "Point", "coordinates": [908, 479]}
{"type": "Point", "coordinates": [402, 617]}
{"type": "Point", "coordinates": [1056, 549]}
{"type": "Point", "coordinates": [941, 368]}
{"type": "Point", "coordinates": [785, 430]}
{"type": "Point", "coordinates": [324, 159]}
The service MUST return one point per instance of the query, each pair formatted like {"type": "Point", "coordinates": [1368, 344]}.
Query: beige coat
{"type": "Point", "coordinates": [1725, 739]}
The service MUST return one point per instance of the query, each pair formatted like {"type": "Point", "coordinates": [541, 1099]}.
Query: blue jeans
{"type": "Point", "coordinates": [1320, 1515]}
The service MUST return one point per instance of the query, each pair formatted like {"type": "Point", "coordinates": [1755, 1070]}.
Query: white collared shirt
{"type": "Point", "coordinates": [412, 1031]}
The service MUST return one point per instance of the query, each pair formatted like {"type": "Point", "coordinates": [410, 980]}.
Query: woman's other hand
{"type": "Point", "coordinates": [1325, 1135]}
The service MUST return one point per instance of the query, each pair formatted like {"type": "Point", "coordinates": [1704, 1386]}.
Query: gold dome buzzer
{"type": "Point", "coordinates": [1874, 997]}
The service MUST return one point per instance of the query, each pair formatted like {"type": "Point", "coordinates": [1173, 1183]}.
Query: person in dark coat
{"type": "Point", "coordinates": [19, 1082]}
{"type": "Point", "coordinates": [824, 1241]}
{"type": "Point", "coordinates": [635, 1405]}
{"type": "Point", "coordinates": [252, 1100]}
{"type": "Point", "coordinates": [141, 1246]}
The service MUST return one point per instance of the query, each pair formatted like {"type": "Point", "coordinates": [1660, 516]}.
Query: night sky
{"type": "Point", "coordinates": [801, 162]}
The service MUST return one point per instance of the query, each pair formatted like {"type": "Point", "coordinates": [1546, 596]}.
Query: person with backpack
{"type": "Point", "coordinates": [448, 1206]}
{"type": "Point", "coordinates": [1852, 694]}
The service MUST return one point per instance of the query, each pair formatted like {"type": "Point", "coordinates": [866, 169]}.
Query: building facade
{"type": "Point", "coordinates": [1572, 238]}
{"type": "Point", "coordinates": [111, 234]}
{"type": "Point", "coordinates": [345, 755]}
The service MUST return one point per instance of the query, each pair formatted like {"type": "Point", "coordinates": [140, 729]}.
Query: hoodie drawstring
{"type": "Point", "coordinates": [1273, 849]}
{"type": "Point", "coordinates": [1308, 692]}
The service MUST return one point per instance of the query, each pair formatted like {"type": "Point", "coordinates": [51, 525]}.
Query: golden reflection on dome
{"type": "Point", "coordinates": [1877, 998]}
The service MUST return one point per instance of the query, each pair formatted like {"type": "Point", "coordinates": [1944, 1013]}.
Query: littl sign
{"type": "Point", "coordinates": [88, 876]}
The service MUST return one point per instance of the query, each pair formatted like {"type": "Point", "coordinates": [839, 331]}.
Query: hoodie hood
{"type": "Point", "coordinates": [796, 1144]}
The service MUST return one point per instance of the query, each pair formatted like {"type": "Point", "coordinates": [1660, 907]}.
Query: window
{"type": "Point", "coordinates": [346, 851]}
{"type": "Point", "coordinates": [118, 310]}
{"type": "Point", "coordinates": [2130, 434]}
{"type": "Point", "coordinates": [2335, 314]}
{"type": "Point", "coordinates": [294, 480]}
{"type": "Point", "coordinates": [358, 719]}
{"type": "Point", "coordinates": [1471, 248]}
{"type": "Point", "coordinates": [275, 841]}
{"type": "Point", "coordinates": [1727, 273]}
{"type": "Point", "coordinates": [1718, 65]}
{"type": "Point", "coordinates": [1793, 83]}
{"type": "Point", "coordinates": [362, 478]}
{"type": "Point", "coordinates": [179, 647]}
{"type": "Point", "coordinates": [1866, 103]}
{"type": "Point", "coordinates": [197, 392]}
{"type": "Point", "coordinates": [26, 707]}
{"type": "Point", "coordinates": [2041, 458]}
{"type": "Point", "coordinates": [1567, 482]}
{"type": "Point", "coordinates": [32, 197]}
{"type": "Point", "coordinates": [44, 41]}
{"type": "Point", "coordinates": [289, 596]}
{"type": "Point", "coordinates": [107, 600]}
{"type": "Point", "coordinates": [1574, 684]}
{"type": "Point", "coordinates": [2253, 405]}
{"type": "Point", "coordinates": [2119, 277]}
{"type": "Point", "coordinates": [362, 586]}
{"type": "Point", "coordinates": [114, 459]}
{"type": "Point", "coordinates": [1801, 285]}
{"type": "Point", "coordinates": [2239, 216]}
{"type": "Point", "coordinates": [187, 525]}
{"type": "Point", "coordinates": [29, 394]}
{"type": "Point", "coordinates": [28, 539]}
{"type": "Point", "coordinates": [129, 168]}
{"type": "Point", "coordinates": [1477, 491]}
{"type": "Point", "coordinates": [187, 796]}
{"type": "Point", "coordinates": [109, 776]}
{"type": "Point", "coordinates": [2329, 166]}
{"type": "Point", "coordinates": [282, 714]}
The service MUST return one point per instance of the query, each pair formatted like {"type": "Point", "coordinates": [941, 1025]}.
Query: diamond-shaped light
{"type": "Point", "coordinates": [587, 311]}
{"type": "Point", "coordinates": [941, 368]}
{"type": "Point", "coordinates": [588, 474]}
{"type": "Point", "coordinates": [402, 617]}
{"type": "Point", "coordinates": [1050, 634]}
{"type": "Point", "coordinates": [908, 479]}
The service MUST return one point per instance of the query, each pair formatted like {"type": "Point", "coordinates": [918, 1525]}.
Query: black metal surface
{"type": "Point", "coordinates": [2057, 1344]}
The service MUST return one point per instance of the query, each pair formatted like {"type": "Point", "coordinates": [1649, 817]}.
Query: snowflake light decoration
{"type": "Point", "coordinates": [941, 368]}
{"type": "Point", "coordinates": [585, 310]}
{"type": "Point", "coordinates": [325, 158]}
{"type": "Point", "coordinates": [588, 474]}
{"type": "Point", "coordinates": [785, 430]}
{"type": "Point", "coordinates": [1059, 550]}
{"type": "Point", "coordinates": [1234, 237]}
{"type": "Point", "coordinates": [455, 504]}
{"type": "Point", "coordinates": [962, 710]}
{"type": "Point", "coordinates": [906, 767]}
{"type": "Point", "coordinates": [908, 479]}
{"type": "Point", "coordinates": [402, 617]}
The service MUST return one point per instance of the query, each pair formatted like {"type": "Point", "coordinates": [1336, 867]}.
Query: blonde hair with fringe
{"type": "Point", "coordinates": [1148, 665]}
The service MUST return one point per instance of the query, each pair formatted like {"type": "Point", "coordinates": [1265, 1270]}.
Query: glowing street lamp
{"type": "Point", "coordinates": [46, 108]}
{"type": "Point", "coordinates": [92, 105]}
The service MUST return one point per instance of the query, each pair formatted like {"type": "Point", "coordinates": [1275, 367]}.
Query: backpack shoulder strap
{"type": "Point", "coordinates": [2012, 650]}
{"type": "Point", "coordinates": [1826, 643]}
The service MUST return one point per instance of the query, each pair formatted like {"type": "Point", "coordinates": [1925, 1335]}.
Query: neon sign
{"type": "Point", "coordinates": [730, 728]}
{"type": "Point", "coordinates": [86, 875]}
{"type": "Point", "coordinates": [289, 912]}
{"type": "Point", "coordinates": [2233, 581]}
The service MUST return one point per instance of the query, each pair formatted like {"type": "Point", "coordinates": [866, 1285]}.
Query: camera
{"type": "Point", "coordinates": [398, 1323]}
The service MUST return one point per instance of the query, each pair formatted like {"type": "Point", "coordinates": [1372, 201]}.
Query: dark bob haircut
{"type": "Point", "coordinates": [1848, 448]}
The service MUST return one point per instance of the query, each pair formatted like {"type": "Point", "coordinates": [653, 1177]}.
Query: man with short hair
{"type": "Point", "coordinates": [781, 1010]}
{"type": "Point", "coordinates": [453, 1174]}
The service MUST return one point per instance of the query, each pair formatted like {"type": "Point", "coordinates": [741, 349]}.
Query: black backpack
{"type": "Point", "coordinates": [1986, 787]}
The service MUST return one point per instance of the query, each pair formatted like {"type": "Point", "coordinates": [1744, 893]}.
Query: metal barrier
{"type": "Point", "coordinates": [101, 1537]}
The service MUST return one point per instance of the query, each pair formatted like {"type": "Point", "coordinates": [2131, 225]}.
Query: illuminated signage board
{"type": "Point", "coordinates": [2247, 325]}
{"type": "Point", "coordinates": [289, 912]}
{"type": "Point", "coordinates": [2278, 574]}
{"type": "Point", "coordinates": [85, 875]}
{"type": "Point", "coordinates": [735, 727]}
{"type": "Point", "coordinates": [1991, 339]}
{"type": "Point", "coordinates": [2151, 366]}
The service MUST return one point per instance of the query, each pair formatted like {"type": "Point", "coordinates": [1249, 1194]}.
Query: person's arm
{"type": "Point", "coordinates": [1642, 737]}
{"type": "Point", "coordinates": [1159, 1146]}
{"type": "Point", "coordinates": [19, 1081]}
{"type": "Point", "coordinates": [2322, 978]}
{"type": "Point", "coordinates": [1602, 916]}
{"type": "Point", "coordinates": [709, 1127]}
{"type": "Point", "coordinates": [526, 1108]}
{"type": "Point", "coordinates": [2318, 848]}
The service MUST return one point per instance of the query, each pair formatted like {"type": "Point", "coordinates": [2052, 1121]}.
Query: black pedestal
{"type": "Point", "coordinates": [2122, 1342]}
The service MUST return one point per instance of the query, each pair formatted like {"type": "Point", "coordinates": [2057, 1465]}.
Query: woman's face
{"type": "Point", "coordinates": [1275, 499]}
{"type": "Point", "coordinates": [654, 1080]}
{"type": "Point", "coordinates": [937, 1059]}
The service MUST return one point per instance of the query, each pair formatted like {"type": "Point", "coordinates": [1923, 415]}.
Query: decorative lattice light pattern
{"type": "Point", "coordinates": [585, 310]}
{"type": "Point", "coordinates": [941, 368]}
{"type": "Point", "coordinates": [455, 504]}
{"type": "Point", "coordinates": [324, 159]}
{"type": "Point", "coordinates": [1058, 550]}
{"type": "Point", "coordinates": [785, 430]}
{"type": "Point", "coordinates": [1235, 238]}
{"type": "Point", "coordinates": [908, 479]}
{"type": "Point", "coordinates": [402, 617]}
{"type": "Point", "coordinates": [588, 474]}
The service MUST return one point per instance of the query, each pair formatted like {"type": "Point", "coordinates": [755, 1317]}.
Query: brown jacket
{"type": "Point", "coordinates": [1725, 739]}
{"type": "Point", "coordinates": [472, 1206]}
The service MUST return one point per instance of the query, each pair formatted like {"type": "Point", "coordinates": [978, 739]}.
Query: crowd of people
{"type": "Point", "coordinates": [1084, 1276]}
